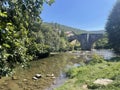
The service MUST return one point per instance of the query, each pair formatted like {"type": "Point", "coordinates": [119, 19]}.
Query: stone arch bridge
{"type": "Point", "coordinates": [86, 39]}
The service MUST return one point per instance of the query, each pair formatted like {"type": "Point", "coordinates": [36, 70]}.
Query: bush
{"type": "Point", "coordinates": [96, 59]}
{"type": "Point", "coordinates": [72, 72]}
{"type": "Point", "coordinates": [39, 50]}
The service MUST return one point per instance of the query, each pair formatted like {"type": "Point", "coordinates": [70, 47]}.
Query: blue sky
{"type": "Point", "coordinates": [82, 14]}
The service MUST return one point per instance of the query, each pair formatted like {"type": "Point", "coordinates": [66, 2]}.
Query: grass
{"type": "Point", "coordinates": [96, 69]}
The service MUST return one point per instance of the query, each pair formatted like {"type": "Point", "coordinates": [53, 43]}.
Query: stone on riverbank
{"type": "Point", "coordinates": [14, 78]}
{"type": "Point", "coordinates": [103, 81]}
{"type": "Point", "coordinates": [34, 78]}
{"type": "Point", "coordinates": [38, 75]}
{"type": "Point", "coordinates": [50, 75]}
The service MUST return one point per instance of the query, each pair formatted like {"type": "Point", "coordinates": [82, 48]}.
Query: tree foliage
{"type": "Point", "coordinates": [18, 35]}
{"type": "Point", "coordinates": [66, 28]}
{"type": "Point", "coordinates": [113, 27]}
{"type": "Point", "coordinates": [102, 43]}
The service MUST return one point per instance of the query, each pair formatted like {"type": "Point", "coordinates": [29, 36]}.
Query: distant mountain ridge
{"type": "Point", "coordinates": [68, 28]}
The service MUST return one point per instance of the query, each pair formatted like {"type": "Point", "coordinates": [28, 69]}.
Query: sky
{"type": "Point", "coordinates": [88, 15]}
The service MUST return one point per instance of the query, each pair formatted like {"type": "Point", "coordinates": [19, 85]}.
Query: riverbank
{"type": "Point", "coordinates": [52, 71]}
{"type": "Point", "coordinates": [49, 68]}
{"type": "Point", "coordinates": [106, 74]}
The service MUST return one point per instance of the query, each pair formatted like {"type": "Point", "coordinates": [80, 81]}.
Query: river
{"type": "Point", "coordinates": [81, 55]}
{"type": "Point", "coordinates": [56, 64]}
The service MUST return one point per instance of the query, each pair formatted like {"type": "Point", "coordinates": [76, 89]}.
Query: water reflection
{"type": "Point", "coordinates": [76, 65]}
{"type": "Point", "coordinates": [81, 55]}
{"type": "Point", "coordinates": [106, 54]}
{"type": "Point", "coordinates": [86, 55]}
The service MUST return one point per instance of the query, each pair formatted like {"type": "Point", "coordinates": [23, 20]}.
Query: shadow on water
{"type": "Point", "coordinates": [114, 59]}
{"type": "Point", "coordinates": [106, 54]}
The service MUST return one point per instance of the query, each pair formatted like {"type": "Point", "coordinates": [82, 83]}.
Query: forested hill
{"type": "Point", "coordinates": [68, 28]}
{"type": "Point", "coordinates": [65, 28]}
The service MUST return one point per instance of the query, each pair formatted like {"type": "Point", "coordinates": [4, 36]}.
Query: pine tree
{"type": "Point", "coordinates": [113, 28]}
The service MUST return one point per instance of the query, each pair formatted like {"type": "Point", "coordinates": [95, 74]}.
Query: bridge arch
{"type": "Point", "coordinates": [86, 39]}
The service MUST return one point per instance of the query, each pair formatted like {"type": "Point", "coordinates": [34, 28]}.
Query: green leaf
{"type": "Point", "coordinates": [3, 14]}
{"type": "Point", "coordinates": [9, 23]}
{"type": "Point", "coordinates": [6, 45]}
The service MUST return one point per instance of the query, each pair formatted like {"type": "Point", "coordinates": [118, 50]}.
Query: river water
{"type": "Point", "coordinates": [106, 54]}
{"type": "Point", "coordinates": [55, 64]}
{"type": "Point", "coordinates": [81, 55]}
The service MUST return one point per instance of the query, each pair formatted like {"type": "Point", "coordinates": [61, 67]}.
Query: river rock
{"type": "Point", "coordinates": [25, 80]}
{"type": "Point", "coordinates": [84, 87]}
{"type": "Point", "coordinates": [14, 78]}
{"type": "Point", "coordinates": [5, 83]}
{"type": "Point", "coordinates": [103, 81]}
{"type": "Point", "coordinates": [34, 78]}
{"type": "Point", "coordinates": [38, 75]}
{"type": "Point", "coordinates": [1, 87]}
{"type": "Point", "coordinates": [50, 75]}
{"type": "Point", "coordinates": [53, 77]}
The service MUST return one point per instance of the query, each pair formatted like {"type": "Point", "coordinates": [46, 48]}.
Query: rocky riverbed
{"type": "Point", "coordinates": [41, 74]}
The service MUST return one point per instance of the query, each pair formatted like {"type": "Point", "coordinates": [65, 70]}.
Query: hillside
{"type": "Point", "coordinates": [68, 28]}
{"type": "Point", "coordinates": [65, 28]}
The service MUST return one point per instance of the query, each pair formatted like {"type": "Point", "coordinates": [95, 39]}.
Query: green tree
{"type": "Point", "coordinates": [102, 43]}
{"type": "Point", "coordinates": [51, 37]}
{"type": "Point", "coordinates": [16, 19]}
{"type": "Point", "coordinates": [113, 27]}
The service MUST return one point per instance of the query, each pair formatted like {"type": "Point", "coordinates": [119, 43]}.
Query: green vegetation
{"type": "Point", "coordinates": [113, 28]}
{"type": "Point", "coordinates": [83, 77]}
{"type": "Point", "coordinates": [66, 28]}
{"type": "Point", "coordinates": [23, 37]}
{"type": "Point", "coordinates": [102, 43]}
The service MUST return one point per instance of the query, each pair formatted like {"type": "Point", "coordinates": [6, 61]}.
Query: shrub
{"type": "Point", "coordinates": [39, 50]}
{"type": "Point", "coordinates": [96, 59]}
{"type": "Point", "coordinates": [72, 72]}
